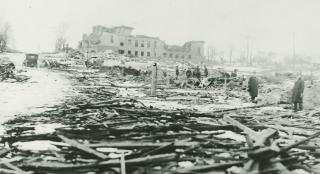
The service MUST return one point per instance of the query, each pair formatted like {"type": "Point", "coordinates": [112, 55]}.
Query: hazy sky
{"type": "Point", "coordinates": [270, 24]}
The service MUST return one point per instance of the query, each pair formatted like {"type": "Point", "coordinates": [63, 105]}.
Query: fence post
{"type": "Point", "coordinates": [154, 80]}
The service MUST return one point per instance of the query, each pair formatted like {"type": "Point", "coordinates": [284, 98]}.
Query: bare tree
{"type": "Point", "coordinates": [4, 37]}
{"type": "Point", "coordinates": [230, 54]}
{"type": "Point", "coordinates": [61, 40]}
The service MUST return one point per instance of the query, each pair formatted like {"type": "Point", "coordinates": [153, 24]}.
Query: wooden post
{"type": "Point", "coordinates": [168, 81]}
{"type": "Point", "coordinates": [154, 80]}
{"type": "Point", "coordinates": [123, 164]}
{"type": "Point", "coordinates": [225, 82]}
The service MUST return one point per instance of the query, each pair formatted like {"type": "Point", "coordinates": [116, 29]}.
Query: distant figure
{"type": "Point", "coordinates": [177, 72]}
{"type": "Point", "coordinates": [86, 62]}
{"type": "Point", "coordinates": [242, 82]}
{"type": "Point", "coordinates": [197, 73]}
{"type": "Point", "coordinates": [253, 87]}
{"type": "Point", "coordinates": [164, 74]}
{"type": "Point", "coordinates": [234, 73]}
{"type": "Point", "coordinates": [231, 85]}
{"type": "Point", "coordinates": [206, 73]}
{"type": "Point", "coordinates": [188, 73]}
{"type": "Point", "coordinates": [297, 94]}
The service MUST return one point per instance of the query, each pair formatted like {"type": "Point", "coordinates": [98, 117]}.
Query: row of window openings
{"type": "Point", "coordinates": [136, 53]}
{"type": "Point", "coordinates": [136, 44]}
{"type": "Point", "coordinates": [148, 45]}
{"type": "Point", "coordinates": [176, 56]}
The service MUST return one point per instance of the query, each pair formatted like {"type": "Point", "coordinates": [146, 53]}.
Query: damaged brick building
{"type": "Point", "coordinates": [120, 40]}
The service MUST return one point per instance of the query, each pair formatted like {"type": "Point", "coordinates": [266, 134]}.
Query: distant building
{"type": "Point", "coordinates": [120, 40]}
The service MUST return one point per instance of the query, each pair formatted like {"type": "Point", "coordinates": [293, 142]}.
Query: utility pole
{"type": "Point", "coordinates": [230, 55]}
{"type": "Point", "coordinates": [210, 54]}
{"type": "Point", "coordinates": [294, 46]}
{"type": "Point", "coordinates": [213, 53]}
{"type": "Point", "coordinates": [251, 56]}
{"type": "Point", "coordinates": [248, 49]}
{"type": "Point", "coordinates": [87, 49]}
{"type": "Point", "coordinates": [154, 80]}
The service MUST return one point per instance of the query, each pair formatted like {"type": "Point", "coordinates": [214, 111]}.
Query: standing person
{"type": "Point", "coordinates": [177, 72]}
{"type": "Point", "coordinates": [234, 73]}
{"type": "Point", "coordinates": [164, 74]}
{"type": "Point", "coordinates": [253, 87]}
{"type": "Point", "coordinates": [197, 73]}
{"type": "Point", "coordinates": [242, 82]}
{"type": "Point", "coordinates": [188, 73]}
{"type": "Point", "coordinates": [297, 94]}
{"type": "Point", "coordinates": [206, 73]}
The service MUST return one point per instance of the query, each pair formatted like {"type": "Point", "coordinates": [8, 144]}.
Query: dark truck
{"type": "Point", "coordinates": [31, 60]}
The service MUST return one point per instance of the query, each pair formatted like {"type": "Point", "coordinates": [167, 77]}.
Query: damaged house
{"type": "Point", "coordinates": [120, 40]}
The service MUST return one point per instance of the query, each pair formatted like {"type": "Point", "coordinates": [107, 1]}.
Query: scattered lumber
{"type": "Point", "coordinates": [134, 138]}
{"type": "Point", "coordinates": [14, 169]}
{"type": "Point", "coordinates": [208, 168]}
{"type": "Point", "coordinates": [4, 152]}
{"type": "Point", "coordinates": [82, 147]}
{"type": "Point", "coordinates": [53, 166]}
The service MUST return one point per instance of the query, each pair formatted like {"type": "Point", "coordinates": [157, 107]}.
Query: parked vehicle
{"type": "Point", "coordinates": [31, 60]}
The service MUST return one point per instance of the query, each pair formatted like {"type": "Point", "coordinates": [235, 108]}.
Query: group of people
{"type": "Point", "coordinates": [196, 73]}
{"type": "Point", "coordinates": [297, 91]}
{"type": "Point", "coordinates": [253, 85]}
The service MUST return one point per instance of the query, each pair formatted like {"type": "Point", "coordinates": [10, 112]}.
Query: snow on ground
{"type": "Point", "coordinates": [195, 103]}
{"type": "Point", "coordinates": [44, 89]}
{"type": "Point", "coordinates": [40, 145]}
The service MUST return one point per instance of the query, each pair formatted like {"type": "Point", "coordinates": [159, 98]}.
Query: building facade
{"type": "Point", "coordinates": [120, 40]}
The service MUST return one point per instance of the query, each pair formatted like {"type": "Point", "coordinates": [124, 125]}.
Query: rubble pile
{"type": "Point", "coordinates": [8, 72]}
{"type": "Point", "coordinates": [311, 90]}
{"type": "Point", "coordinates": [100, 131]}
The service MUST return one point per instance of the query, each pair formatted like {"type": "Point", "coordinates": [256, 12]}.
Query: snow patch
{"type": "Point", "coordinates": [40, 145]}
{"type": "Point", "coordinates": [232, 135]}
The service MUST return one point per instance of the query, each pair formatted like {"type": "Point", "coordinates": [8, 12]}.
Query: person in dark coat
{"type": "Point", "coordinates": [234, 73]}
{"type": "Point", "coordinates": [177, 72]}
{"type": "Point", "coordinates": [297, 94]}
{"type": "Point", "coordinates": [197, 73]}
{"type": "Point", "coordinates": [188, 73]}
{"type": "Point", "coordinates": [206, 72]}
{"type": "Point", "coordinates": [253, 87]}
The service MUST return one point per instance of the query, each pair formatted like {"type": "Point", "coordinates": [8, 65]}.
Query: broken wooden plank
{"type": "Point", "coordinates": [157, 149]}
{"type": "Point", "coordinates": [252, 134]}
{"type": "Point", "coordinates": [299, 142]}
{"type": "Point", "coordinates": [269, 152]}
{"type": "Point", "coordinates": [4, 152]}
{"type": "Point", "coordinates": [82, 147]}
{"type": "Point", "coordinates": [56, 166]}
{"type": "Point", "coordinates": [250, 167]}
{"type": "Point", "coordinates": [134, 144]}
{"type": "Point", "coordinates": [259, 138]}
{"type": "Point", "coordinates": [7, 171]}
{"type": "Point", "coordinates": [207, 168]}
{"type": "Point", "coordinates": [264, 136]}
{"type": "Point", "coordinates": [123, 164]}
{"type": "Point", "coordinates": [249, 141]}
{"type": "Point", "coordinates": [14, 168]}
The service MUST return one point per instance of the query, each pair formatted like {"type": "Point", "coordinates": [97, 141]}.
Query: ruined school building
{"type": "Point", "coordinates": [120, 40]}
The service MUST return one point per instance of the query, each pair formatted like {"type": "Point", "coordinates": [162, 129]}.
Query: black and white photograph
{"type": "Point", "coordinates": [159, 87]}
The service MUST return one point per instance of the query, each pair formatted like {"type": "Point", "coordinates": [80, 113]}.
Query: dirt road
{"type": "Point", "coordinates": [45, 88]}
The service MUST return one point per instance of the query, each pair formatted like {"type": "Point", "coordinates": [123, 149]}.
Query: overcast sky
{"type": "Point", "coordinates": [222, 24]}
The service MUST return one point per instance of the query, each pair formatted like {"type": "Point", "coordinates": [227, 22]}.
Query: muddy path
{"type": "Point", "coordinates": [45, 89]}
